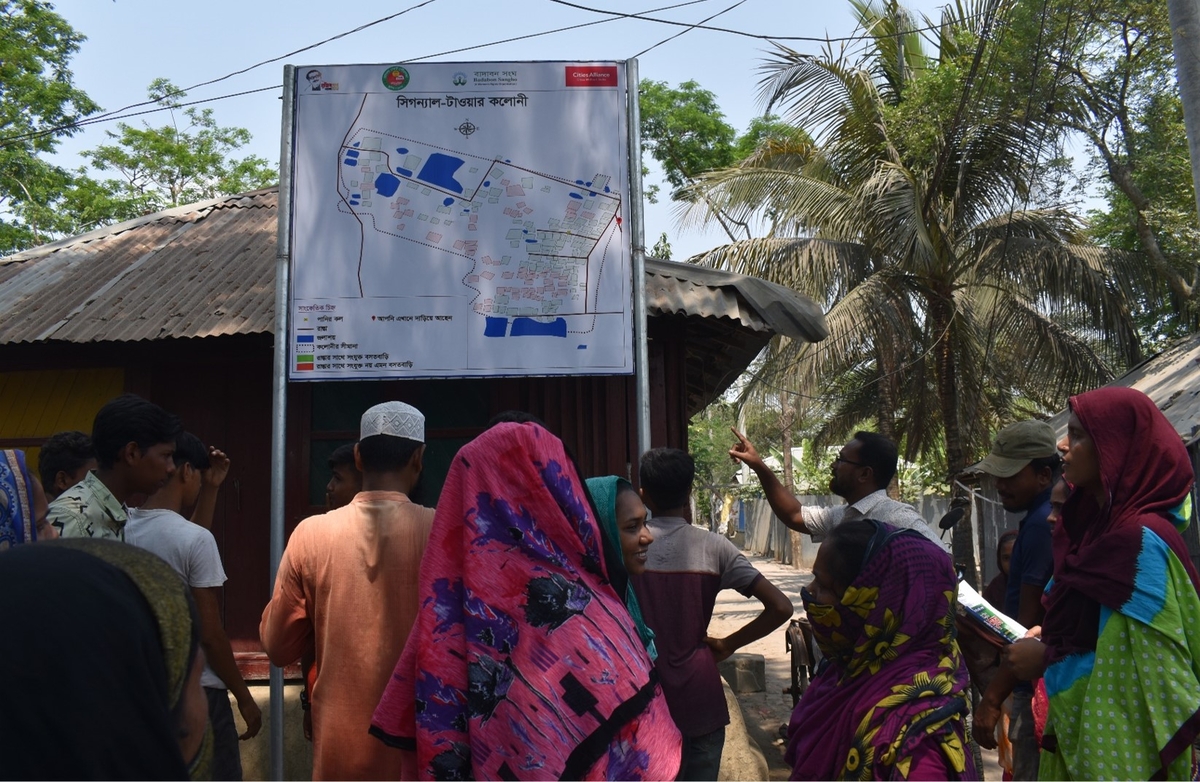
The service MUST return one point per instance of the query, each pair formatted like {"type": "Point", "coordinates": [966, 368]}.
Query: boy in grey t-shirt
{"type": "Point", "coordinates": [192, 552]}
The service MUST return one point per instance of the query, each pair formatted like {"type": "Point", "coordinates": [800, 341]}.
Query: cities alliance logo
{"type": "Point", "coordinates": [460, 79]}
{"type": "Point", "coordinates": [591, 76]}
{"type": "Point", "coordinates": [318, 84]}
{"type": "Point", "coordinates": [395, 78]}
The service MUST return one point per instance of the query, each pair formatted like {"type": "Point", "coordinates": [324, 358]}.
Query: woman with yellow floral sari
{"type": "Point", "coordinates": [890, 702]}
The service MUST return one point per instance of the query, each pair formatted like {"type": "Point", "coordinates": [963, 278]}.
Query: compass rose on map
{"type": "Point", "coordinates": [467, 128]}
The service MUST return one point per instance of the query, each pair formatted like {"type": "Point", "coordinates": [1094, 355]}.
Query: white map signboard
{"type": "Point", "coordinates": [460, 219]}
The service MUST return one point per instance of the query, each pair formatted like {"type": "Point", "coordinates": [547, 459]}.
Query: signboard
{"type": "Point", "coordinates": [459, 220]}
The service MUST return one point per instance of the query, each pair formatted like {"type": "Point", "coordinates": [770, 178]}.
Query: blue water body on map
{"type": "Point", "coordinates": [447, 201]}
{"type": "Point", "coordinates": [589, 184]}
{"type": "Point", "coordinates": [593, 195]}
{"type": "Point", "coordinates": [387, 185]}
{"type": "Point", "coordinates": [579, 181]}
{"type": "Point", "coordinates": [352, 153]}
{"type": "Point", "coordinates": [351, 161]}
{"type": "Point", "coordinates": [506, 160]}
{"type": "Point", "coordinates": [495, 327]}
{"type": "Point", "coordinates": [487, 183]}
{"type": "Point", "coordinates": [528, 327]}
{"type": "Point", "coordinates": [356, 143]}
{"type": "Point", "coordinates": [576, 195]}
{"type": "Point", "coordinates": [606, 188]}
{"type": "Point", "coordinates": [402, 150]}
{"type": "Point", "coordinates": [439, 171]}
{"type": "Point", "coordinates": [581, 347]}
{"type": "Point", "coordinates": [353, 203]}
{"type": "Point", "coordinates": [356, 195]}
{"type": "Point", "coordinates": [531, 241]}
{"type": "Point", "coordinates": [403, 172]}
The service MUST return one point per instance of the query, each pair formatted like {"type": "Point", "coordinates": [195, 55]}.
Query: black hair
{"type": "Point", "coordinates": [848, 543]}
{"type": "Point", "coordinates": [342, 456]}
{"type": "Point", "coordinates": [131, 419]}
{"type": "Point", "coordinates": [63, 452]}
{"type": "Point", "coordinates": [880, 454]}
{"type": "Point", "coordinates": [516, 417]}
{"type": "Point", "coordinates": [189, 450]}
{"type": "Point", "coordinates": [624, 486]}
{"type": "Point", "coordinates": [1054, 462]}
{"type": "Point", "coordinates": [386, 453]}
{"type": "Point", "coordinates": [666, 475]}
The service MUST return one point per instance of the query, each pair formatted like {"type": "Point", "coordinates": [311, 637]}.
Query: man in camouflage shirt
{"type": "Point", "coordinates": [135, 444]}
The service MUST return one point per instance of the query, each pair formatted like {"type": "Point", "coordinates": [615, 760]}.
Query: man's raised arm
{"type": "Point", "coordinates": [787, 508]}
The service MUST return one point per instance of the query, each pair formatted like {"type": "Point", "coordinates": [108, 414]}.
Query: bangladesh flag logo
{"type": "Point", "coordinates": [395, 78]}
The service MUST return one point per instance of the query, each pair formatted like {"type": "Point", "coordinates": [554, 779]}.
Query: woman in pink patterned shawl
{"type": "Point", "coordinates": [891, 701]}
{"type": "Point", "coordinates": [523, 662]}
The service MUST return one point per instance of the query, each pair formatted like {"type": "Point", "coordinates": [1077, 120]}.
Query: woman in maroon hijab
{"type": "Point", "coordinates": [1120, 645]}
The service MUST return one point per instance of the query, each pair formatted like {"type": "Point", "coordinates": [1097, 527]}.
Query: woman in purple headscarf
{"type": "Point", "coordinates": [891, 701]}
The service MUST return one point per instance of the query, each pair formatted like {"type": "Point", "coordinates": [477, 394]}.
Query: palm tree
{"type": "Point", "coordinates": [902, 202]}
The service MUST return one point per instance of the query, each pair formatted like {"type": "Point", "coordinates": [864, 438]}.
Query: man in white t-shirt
{"type": "Point", "coordinates": [191, 550]}
{"type": "Point", "coordinates": [860, 474]}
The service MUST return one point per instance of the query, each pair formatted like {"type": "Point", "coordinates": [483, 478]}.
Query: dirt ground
{"type": "Point", "coordinates": [765, 711]}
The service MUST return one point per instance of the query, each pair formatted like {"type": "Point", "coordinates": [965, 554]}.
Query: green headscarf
{"type": "Point", "coordinates": [604, 493]}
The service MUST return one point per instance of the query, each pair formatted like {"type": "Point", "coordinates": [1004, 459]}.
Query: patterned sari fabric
{"type": "Point", "coordinates": [17, 524]}
{"type": "Point", "coordinates": [523, 662]}
{"type": "Point", "coordinates": [1122, 622]}
{"type": "Point", "coordinates": [891, 701]}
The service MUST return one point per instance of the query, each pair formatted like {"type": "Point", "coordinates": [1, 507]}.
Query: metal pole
{"type": "Point", "coordinates": [283, 341]}
{"type": "Point", "coordinates": [637, 235]}
{"type": "Point", "coordinates": [1185, 37]}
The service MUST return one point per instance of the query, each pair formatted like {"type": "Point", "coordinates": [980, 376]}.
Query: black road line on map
{"type": "Point", "coordinates": [362, 237]}
{"type": "Point", "coordinates": [599, 274]}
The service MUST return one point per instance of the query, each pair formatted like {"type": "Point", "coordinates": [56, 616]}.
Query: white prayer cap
{"type": "Point", "coordinates": [395, 419]}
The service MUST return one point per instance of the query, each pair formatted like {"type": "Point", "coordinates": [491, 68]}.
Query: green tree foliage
{"type": "Point", "coordinates": [911, 206]}
{"type": "Point", "coordinates": [684, 130]}
{"type": "Point", "coordinates": [190, 159]}
{"type": "Point", "coordinates": [38, 104]}
{"type": "Point", "coordinates": [1118, 92]}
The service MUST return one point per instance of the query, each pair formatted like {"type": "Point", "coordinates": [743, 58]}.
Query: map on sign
{"type": "Point", "coordinates": [460, 220]}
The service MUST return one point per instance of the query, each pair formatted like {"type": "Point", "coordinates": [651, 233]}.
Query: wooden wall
{"type": "Point", "coordinates": [221, 388]}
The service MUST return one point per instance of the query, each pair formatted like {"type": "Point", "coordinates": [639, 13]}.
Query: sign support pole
{"type": "Point", "coordinates": [283, 259]}
{"type": "Point", "coordinates": [637, 242]}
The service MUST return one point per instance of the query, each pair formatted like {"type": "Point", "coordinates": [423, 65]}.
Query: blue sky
{"type": "Point", "coordinates": [131, 42]}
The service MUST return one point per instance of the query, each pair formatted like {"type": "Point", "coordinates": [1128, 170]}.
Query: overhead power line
{"type": "Point", "coordinates": [249, 68]}
{"type": "Point", "coordinates": [689, 29]}
{"type": "Point", "coordinates": [744, 34]}
{"type": "Point", "coordinates": [118, 114]}
{"type": "Point", "coordinates": [550, 32]}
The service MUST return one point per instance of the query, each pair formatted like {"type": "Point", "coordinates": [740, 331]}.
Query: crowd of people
{"type": "Point", "coordinates": [539, 623]}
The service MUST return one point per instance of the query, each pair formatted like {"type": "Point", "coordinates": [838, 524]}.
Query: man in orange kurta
{"type": "Point", "coordinates": [347, 588]}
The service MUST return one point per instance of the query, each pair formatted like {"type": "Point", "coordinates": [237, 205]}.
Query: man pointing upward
{"type": "Point", "coordinates": [860, 474]}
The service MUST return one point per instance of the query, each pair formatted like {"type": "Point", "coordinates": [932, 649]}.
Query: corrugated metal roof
{"type": "Point", "coordinates": [208, 269]}
{"type": "Point", "coordinates": [759, 305]}
{"type": "Point", "coordinates": [1172, 380]}
{"type": "Point", "coordinates": [200, 270]}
